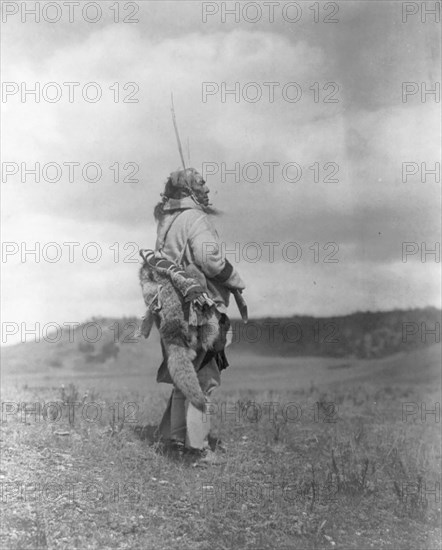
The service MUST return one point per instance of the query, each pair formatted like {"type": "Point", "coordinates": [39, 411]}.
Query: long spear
{"type": "Point", "coordinates": [180, 149]}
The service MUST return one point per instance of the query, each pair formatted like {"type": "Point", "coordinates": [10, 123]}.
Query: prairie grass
{"type": "Point", "coordinates": [319, 468]}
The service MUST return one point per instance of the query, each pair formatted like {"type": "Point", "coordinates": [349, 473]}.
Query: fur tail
{"type": "Point", "coordinates": [182, 372]}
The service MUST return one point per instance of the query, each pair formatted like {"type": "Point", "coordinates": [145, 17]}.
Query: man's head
{"type": "Point", "coordinates": [185, 183]}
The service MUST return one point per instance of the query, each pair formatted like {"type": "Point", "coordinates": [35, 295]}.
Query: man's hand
{"type": "Point", "coordinates": [234, 282]}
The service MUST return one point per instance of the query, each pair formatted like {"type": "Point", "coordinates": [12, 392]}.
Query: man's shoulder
{"type": "Point", "coordinates": [193, 215]}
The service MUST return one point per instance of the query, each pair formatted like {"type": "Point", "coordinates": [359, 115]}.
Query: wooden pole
{"type": "Point", "coordinates": [180, 149]}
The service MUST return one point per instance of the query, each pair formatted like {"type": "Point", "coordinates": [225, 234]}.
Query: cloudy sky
{"type": "Point", "coordinates": [365, 210]}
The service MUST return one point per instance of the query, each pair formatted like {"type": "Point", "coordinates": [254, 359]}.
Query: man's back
{"type": "Point", "coordinates": [187, 236]}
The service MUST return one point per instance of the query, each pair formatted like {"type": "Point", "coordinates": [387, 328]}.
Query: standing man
{"type": "Point", "coordinates": [186, 236]}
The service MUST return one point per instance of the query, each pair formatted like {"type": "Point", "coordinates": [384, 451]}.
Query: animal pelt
{"type": "Point", "coordinates": [181, 341]}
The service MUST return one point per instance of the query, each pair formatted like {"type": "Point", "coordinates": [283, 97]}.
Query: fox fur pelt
{"type": "Point", "coordinates": [166, 308]}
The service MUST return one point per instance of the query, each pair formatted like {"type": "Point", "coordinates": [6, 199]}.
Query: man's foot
{"type": "Point", "coordinates": [215, 444]}
{"type": "Point", "coordinates": [203, 457]}
{"type": "Point", "coordinates": [175, 449]}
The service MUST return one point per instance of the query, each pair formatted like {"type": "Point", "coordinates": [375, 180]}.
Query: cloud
{"type": "Point", "coordinates": [366, 135]}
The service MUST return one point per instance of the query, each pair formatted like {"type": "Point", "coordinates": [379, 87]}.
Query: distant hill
{"type": "Point", "coordinates": [100, 345]}
{"type": "Point", "coordinates": [104, 345]}
{"type": "Point", "coordinates": [363, 335]}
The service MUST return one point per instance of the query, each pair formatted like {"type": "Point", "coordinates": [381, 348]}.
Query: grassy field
{"type": "Point", "coordinates": [343, 457]}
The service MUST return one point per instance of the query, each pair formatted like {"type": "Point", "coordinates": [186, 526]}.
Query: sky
{"type": "Point", "coordinates": [337, 209]}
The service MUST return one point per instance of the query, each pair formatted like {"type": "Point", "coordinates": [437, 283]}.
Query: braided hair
{"type": "Point", "coordinates": [177, 186]}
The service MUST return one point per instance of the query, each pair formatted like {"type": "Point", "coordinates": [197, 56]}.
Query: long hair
{"type": "Point", "coordinates": [171, 191]}
{"type": "Point", "coordinates": [158, 211]}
